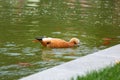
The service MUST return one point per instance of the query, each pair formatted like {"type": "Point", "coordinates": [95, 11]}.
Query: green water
{"type": "Point", "coordinates": [22, 20]}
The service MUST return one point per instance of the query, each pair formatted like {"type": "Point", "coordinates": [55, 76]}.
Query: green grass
{"type": "Point", "coordinates": [109, 73]}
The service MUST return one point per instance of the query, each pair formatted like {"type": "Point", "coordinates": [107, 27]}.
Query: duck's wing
{"type": "Point", "coordinates": [58, 43]}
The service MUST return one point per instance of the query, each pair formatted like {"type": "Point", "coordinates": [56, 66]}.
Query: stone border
{"type": "Point", "coordinates": [80, 66]}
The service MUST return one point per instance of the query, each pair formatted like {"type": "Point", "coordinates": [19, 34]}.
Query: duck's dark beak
{"type": "Point", "coordinates": [77, 45]}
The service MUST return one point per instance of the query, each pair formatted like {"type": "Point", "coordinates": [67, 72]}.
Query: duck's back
{"type": "Point", "coordinates": [58, 43]}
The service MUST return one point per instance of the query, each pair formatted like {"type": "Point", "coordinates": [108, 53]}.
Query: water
{"type": "Point", "coordinates": [94, 22]}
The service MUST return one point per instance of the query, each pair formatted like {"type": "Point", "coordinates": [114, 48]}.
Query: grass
{"type": "Point", "coordinates": [109, 73]}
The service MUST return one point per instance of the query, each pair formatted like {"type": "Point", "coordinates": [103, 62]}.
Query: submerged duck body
{"type": "Point", "coordinates": [58, 43]}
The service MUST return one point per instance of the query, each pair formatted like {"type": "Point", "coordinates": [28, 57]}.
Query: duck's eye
{"type": "Point", "coordinates": [48, 42]}
{"type": "Point", "coordinates": [75, 43]}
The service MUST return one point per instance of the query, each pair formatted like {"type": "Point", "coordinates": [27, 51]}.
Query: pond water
{"type": "Point", "coordinates": [94, 22]}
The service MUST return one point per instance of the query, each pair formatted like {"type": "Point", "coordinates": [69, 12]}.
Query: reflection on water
{"type": "Point", "coordinates": [94, 22]}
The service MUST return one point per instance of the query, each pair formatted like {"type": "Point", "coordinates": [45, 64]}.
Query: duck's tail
{"type": "Point", "coordinates": [40, 38]}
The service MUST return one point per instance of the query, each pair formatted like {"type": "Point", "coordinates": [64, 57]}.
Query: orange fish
{"type": "Point", "coordinates": [107, 41]}
{"type": "Point", "coordinates": [58, 43]}
{"type": "Point", "coordinates": [24, 64]}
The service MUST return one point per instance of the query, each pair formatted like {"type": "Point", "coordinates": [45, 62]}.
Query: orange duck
{"type": "Point", "coordinates": [58, 43]}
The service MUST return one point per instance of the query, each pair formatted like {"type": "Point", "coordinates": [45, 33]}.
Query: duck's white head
{"type": "Point", "coordinates": [76, 41]}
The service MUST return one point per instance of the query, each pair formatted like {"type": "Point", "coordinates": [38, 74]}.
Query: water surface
{"type": "Point", "coordinates": [94, 22]}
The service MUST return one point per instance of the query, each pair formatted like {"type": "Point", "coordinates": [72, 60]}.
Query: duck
{"type": "Point", "coordinates": [57, 42]}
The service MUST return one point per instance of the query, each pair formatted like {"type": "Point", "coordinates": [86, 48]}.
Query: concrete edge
{"type": "Point", "coordinates": [80, 66]}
